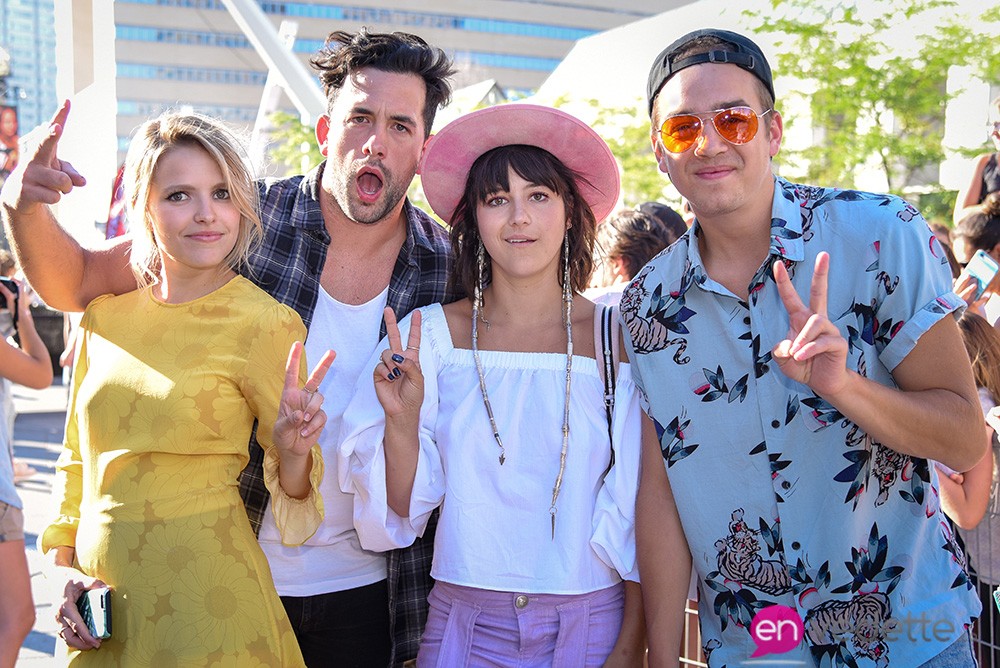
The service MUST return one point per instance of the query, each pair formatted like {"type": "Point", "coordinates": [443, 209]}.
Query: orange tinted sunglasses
{"type": "Point", "coordinates": [737, 125]}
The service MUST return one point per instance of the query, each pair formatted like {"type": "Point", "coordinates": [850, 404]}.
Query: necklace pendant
{"type": "Point", "coordinates": [553, 516]}
{"type": "Point", "coordinates": [502, 458]}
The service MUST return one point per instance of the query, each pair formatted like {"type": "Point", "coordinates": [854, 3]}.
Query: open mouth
{"type": "Point", "coordinates": [369, 185]}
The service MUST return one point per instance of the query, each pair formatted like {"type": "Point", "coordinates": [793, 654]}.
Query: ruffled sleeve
{"type": "Point", "coordinates": [614, 514]}
{"type": "Point", "coordinates": [68, 488]}
{"type": "Point", "coordinates": [274, 331]}
{"type": "Point", "coordinates": [361, 456]}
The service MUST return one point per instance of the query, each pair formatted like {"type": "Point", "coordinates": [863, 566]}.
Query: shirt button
{"type": "Point", "coordinates": [746, 320]}
{"type": "Point", "coordinates": [796, 545]}
{"type": "Point", "coordinates": [785, 484]}
{"type": "Point", "coordinates": [775, 424]}
{"type": "Point", "coordinates": [521, 602]}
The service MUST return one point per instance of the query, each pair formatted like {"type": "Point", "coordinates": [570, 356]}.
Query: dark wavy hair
{"type": "Point", "coordinates": [980, 227]}
{"type": "Point", "coordinates": [401, 52]}
{"type": "Point", "coordinates": [488, 175]}
{"type": "Point", "coordinates": [635, 237]}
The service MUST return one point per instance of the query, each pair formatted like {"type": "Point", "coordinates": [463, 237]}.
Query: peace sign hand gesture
{"type": "Point", "coordinates": [399, 383]}
{"type": "Point", "coordinates": [42, 178]}
{"type": "Point", "coordinates": [814, 352]}
{"type": "Point", "coordinates": [300, 414]}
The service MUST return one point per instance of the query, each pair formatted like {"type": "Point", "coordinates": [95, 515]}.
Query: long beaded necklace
{"type": "Point", "coordinates": [477, 304]}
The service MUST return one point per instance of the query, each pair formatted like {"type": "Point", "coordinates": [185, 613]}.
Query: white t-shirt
{"type": "Point", "coordinates": [495, 529]}
{"type": "Point", "coordinates": [332, 560]}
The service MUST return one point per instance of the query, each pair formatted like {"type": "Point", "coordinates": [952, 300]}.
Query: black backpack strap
{"type": "Point", "coordinates": [608, 367]}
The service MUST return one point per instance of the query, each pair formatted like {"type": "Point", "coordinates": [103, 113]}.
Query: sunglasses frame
{"type": "Point", "coordinates": [712, 115]}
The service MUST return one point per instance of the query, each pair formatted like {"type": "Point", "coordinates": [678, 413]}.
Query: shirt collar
{"type": "Point", "coordinates": [786, 226]}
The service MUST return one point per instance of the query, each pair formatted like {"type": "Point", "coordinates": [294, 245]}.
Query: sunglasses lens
{"type": "Point", "coordinates": [737, 125]}
{"type": "Point", "coordinates": [679, 133]}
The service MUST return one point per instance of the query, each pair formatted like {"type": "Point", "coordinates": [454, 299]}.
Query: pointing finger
{"type": "Point", "coordinates": [789, 297]}
{"type": "Point", "coordinates": [292, 367]}
{"type": "Point", "coordinates": [819, 287]}
{"type": "Point", "coordinates": [319, 372]}
{"type": "Point", "coordinates": [392, 329]}
{"type": "Point", "coordinates": [413, 340]}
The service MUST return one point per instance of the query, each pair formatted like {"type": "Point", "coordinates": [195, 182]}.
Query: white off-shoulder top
{"type": "Point", "coordinates": [495, 529]}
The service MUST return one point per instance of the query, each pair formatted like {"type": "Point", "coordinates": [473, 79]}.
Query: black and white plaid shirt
{"type": "Point", "coordinates": [288, 265]}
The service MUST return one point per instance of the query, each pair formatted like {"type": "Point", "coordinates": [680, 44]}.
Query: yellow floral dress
{"type": "Point", "coordinates": [164, 398]}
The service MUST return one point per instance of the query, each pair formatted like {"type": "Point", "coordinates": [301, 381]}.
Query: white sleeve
{"type": "Point", "coordinates": [361, 459]}
{"type": "Point", "coordinates": [614, 514]}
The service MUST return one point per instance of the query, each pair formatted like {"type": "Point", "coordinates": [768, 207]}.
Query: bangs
{"type": "Point", "coordinates": [490, 173]}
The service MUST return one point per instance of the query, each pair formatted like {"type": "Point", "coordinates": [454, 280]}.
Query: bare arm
{"type": "Point", "coordinates": [28, 365]}
{"type": "Point", "coordinates": [973, 190]}
{"type": "Point", "coordinates": [630, 648]}
{"type": "Point", "coordinates": [964, 496]}
{"type": "Point", "coordinates": [662, 550]}
{"type": "Point", "coordinates": [934, 412]}
{"type": "Point", "coordinates": [65, 275]}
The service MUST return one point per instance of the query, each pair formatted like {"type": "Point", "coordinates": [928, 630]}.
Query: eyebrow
{"type": "Point", "coordinates": [402, 118]}
{"type": "Point", "coordinates": [721, 105]}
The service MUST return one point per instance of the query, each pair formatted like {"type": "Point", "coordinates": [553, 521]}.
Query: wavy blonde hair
{"type": "Point", "coordinates": [152, 140]}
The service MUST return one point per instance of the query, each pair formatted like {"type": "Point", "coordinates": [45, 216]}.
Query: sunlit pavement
{"type": "Point", "coordinates": [38, 434]}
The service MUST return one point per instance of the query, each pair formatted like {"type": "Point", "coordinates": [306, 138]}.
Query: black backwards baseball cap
{"type": "Point", "coordinates": [746, 54]}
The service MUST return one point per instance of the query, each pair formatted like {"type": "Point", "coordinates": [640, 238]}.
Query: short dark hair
{"type": "Point", "coordinates": [489, 174]}
{"type": "Point", "coordinates": [401, 52]}
{"type": "Point", "coordinates": [705, 44]}
{"type": "Point", "coordinates": [635, 237]}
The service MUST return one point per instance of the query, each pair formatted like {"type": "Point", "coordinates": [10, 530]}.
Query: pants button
{"type": "Point", "coordinates": [521, 602]}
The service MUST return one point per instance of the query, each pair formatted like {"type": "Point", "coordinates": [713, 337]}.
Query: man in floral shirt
{"type": "Point", "coordinates": [800, 364]}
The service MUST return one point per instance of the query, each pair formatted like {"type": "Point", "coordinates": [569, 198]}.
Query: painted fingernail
{"type": "Point", "coordinates": [307, 417]}
{"type": "Point", "coordinates": [396, 373]}
{"type": "Point", "coordinates": [397, 358]}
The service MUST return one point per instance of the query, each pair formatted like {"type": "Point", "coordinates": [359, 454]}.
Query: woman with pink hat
{"type": "Point", "coordinates": [493, 409]}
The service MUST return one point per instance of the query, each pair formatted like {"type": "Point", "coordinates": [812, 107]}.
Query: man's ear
{"type": "Point", "coordinates": [322, 132]}
{"type": "Point", "coordinates": [776, 131]}
{"type": "Point", "coordinates": [658, 151]}
{"type": "Point", "coordinates": [420, 160]}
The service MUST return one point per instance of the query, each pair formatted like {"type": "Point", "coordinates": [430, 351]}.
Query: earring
{"type": "Point", "coordinates": [567, 288]}
{"type": "Point", "coordinates": [477, 299]}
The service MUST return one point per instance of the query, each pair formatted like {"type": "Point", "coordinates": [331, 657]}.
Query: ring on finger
{"type": "Point", "coordinates": [417, 348]}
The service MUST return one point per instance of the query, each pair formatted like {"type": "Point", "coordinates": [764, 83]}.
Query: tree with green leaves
{"type": "Point", "coordinates": [873, 74]}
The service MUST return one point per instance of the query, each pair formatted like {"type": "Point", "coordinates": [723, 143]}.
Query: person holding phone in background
{"type": "Point", "coordinates": [979, 230]}
{"type": "Point", "coordinates": [28, 365]}
{"type": "Point", "coordinates": [167, 382]}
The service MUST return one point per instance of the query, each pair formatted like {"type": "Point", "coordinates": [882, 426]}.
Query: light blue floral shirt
{"type": "Point", "coordinates": [783, 500]}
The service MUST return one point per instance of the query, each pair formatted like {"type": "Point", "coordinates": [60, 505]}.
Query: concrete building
{"type": "Point", "coordinates": [27, 34]}
{"type": "Point", "coordinates": [191, 51]}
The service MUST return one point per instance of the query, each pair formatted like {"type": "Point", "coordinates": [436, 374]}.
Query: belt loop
{"type": "Point", "coordinates": [572, 640]}
{"type": "Point", "coordinates": [456, 643]}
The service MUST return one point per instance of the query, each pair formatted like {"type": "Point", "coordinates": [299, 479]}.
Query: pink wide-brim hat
{"type": "Point", "coordinates": [450, 153]}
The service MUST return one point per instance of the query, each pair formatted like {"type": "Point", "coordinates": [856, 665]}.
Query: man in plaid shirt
{"type": "Point", "coordinates": [340, 244]}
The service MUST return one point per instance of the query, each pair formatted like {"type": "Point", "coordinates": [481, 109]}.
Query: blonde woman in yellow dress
{"type": "Point", "coordinates": [168, 381]}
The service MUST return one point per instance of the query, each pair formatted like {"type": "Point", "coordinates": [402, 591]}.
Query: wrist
{"type": "Point", "coordinates": [847, 391]}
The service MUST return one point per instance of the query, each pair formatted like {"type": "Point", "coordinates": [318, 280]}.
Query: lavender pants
{"type": "Point", "coordinates": [477, 627]}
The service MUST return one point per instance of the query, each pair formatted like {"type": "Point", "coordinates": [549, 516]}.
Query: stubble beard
{"type": "Point", "coordinates": [344, 193]}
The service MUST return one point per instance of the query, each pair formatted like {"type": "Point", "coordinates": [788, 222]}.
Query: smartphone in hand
{"type": "Point", "coordinates": [982, 268]}
{"type": "Point", "coordinates": [95, 608]}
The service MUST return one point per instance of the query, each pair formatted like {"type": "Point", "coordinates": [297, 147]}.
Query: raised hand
{"type": "Point", "coordinates": [399, 383]}
{"type": "Point", "coordinates": [814, 351]}
{"type": "Point", "coordinates": [300, 414]}
{"type": "Point", "coordinates": [41, 178]}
